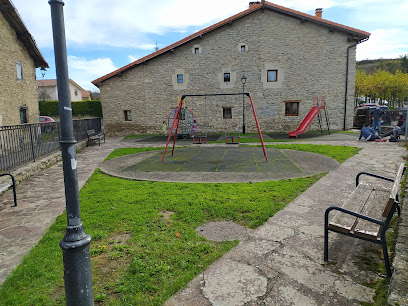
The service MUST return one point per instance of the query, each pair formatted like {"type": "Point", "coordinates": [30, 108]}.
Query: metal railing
{"type": "Point", "coordinates": [20, 144]}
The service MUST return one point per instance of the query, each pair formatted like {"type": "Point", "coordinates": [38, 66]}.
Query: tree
{"type": "Point", "coordinates": [43, 95]}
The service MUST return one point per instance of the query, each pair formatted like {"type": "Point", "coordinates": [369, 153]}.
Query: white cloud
{"type": "Point", "coordinates": [384, 44]}
{"type": "Point", "coordinates": [132, 58]}
{"type": "Point", "coordinates": [83, 70]}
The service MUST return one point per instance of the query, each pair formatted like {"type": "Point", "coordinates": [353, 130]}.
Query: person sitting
{"type": "Point", "coordinates": [397, 130]}
{"type": "Point", "coordinates": [368, 133]}
{"type": "Point", "coordinates": [401, 119]}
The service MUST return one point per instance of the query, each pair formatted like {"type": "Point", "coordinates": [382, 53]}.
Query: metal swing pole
{"type": "Point", "coordinates": [174, 126]}
{"type": "Point", "coordinates": [257, 125]}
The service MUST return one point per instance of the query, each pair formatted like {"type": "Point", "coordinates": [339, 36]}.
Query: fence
{"type": "Point", "coordinates": [20, 144]}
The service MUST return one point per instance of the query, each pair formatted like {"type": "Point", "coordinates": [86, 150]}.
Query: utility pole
{"type": "Point", "coordinates": [75, 244]}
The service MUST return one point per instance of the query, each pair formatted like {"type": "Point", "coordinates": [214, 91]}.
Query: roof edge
{"type": "Point", "coordinates": [358, 35]}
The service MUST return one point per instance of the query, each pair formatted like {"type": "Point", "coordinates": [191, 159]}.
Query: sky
{"type": "Point", "coordinates": [104, 35]}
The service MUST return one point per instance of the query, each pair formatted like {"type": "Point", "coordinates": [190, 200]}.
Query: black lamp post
{"type": "Point", "coordinates": [75, 244]}
{"type": "Point", "coordinates": [243, 81]}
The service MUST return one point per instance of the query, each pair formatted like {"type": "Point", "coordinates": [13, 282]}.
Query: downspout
{"type": "Point", "coordinates": [347, 75]}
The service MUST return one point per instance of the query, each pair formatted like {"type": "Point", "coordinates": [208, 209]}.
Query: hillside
{"type": "Point", "coordinates": [390, 65]}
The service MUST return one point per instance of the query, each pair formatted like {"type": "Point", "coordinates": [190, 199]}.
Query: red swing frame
{"type": "Point", "coordinates": [174, 126]}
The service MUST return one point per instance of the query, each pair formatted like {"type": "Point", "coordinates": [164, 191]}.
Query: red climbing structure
{"type": "Point", "coordinates": [309, 117]}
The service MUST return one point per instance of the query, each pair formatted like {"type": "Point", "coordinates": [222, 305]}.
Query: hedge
{"type": "Point", "coordinates": [79, 108]}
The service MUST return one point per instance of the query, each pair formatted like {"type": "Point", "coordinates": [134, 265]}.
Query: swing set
{"type": "Point", "coordinates": [178, 118]}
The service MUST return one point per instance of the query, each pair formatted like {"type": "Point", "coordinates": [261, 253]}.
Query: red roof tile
{"type": "Point", "coordinates": [359, 34]}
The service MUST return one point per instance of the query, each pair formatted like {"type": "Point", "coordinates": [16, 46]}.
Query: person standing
{"type": "Point", "coordinates": [377, 114]}
{"type": "Point", "coordinates": [193, 128]}
{"type": "Point", "coordinates": [164, 128]}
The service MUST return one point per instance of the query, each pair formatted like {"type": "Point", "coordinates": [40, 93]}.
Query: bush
{"type": "Point", "coordinates": [91, 108]}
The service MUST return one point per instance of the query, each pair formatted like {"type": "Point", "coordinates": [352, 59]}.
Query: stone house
{"type": "Point", "coordinates": [48, 91]}
{"type": "Point", "coordinates": [19, 56]}
{"type": "Point", "coordinates": [287, 57]}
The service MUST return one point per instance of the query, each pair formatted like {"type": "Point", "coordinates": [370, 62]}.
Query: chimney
{"type": "Point", "coordinates": [319, 12]}
{"type": "Point", "coordinates": [252, 3]}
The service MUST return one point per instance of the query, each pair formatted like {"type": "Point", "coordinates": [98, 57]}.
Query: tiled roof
{"type": "Point", "coordinates": [46, 83]}
{"type": "Point", "coordinates": [354, 33]}
{"type": "Point", "coordinates": [13, 18]}
{"type": "Point", "coordinates": [53, 82]}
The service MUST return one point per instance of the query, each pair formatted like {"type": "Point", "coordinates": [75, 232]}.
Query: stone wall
{"type": "Point", "coordinates": [310, 59]}
{"type": "Point", "coordinates": [15, 93]}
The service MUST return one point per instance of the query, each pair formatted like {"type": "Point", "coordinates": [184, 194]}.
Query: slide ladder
{"type": "Point", "coordinates": [315, 110]}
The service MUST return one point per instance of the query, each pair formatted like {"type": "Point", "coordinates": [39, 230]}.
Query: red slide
{"type": "Point", "coordinates": [306, 122]}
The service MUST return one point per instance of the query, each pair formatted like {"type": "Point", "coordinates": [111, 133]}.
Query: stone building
{"type": "Point", "coordinates": [287, 56]}
{"type": "Point", "coordinates": [19, 56]}
{"type": "Point", "coordinates": [48, 91]}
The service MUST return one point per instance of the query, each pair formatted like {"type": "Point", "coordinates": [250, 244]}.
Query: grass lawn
{"type": "Point", "coordinates": [144, 246]}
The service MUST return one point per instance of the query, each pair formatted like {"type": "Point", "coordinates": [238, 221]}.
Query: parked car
{"type": "Point", "coordinates": [362, 115]}
{"type": "Point", "coordinates": [49, 126]}
{"type": "Point", "coordinates": [46, 119]}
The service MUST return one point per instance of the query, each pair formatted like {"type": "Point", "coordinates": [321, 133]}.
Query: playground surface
{"type": "Point", "coordinates": [218, 164]}
{"type": "Point", "coordinates": [279, 263]}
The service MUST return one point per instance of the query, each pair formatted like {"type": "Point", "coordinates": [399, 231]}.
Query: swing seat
{"type": "Point", "coordinates": [200, 138]}
{"type": "Point", "coordinates": [234, 139]}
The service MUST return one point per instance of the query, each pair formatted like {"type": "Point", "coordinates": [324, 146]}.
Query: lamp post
{"type": "Point", "coordinates": [75, 244]}
{"type": "Point", "coordinates": [243, 81]}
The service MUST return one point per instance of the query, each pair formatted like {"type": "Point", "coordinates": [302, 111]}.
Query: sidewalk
{"type": "Point", "coordinates": [279, 263]}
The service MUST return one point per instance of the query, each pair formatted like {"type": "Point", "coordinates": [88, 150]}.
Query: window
{"type": "Point", "coordinates": [196, 50]}
{"type": "Point", "coordinates": [128, 115]}
{"type": "Point", "coordinates": [243, 48]}
{"type": "Point", "coordinates": [23, 115]}
{"type": "Point", "coordinates": [179, 78]}
{"type": "Point", "coordinates": [227, 77]}
{"type": "Point", "coordinates": [76, 92]}
{"type": "Point", "coordinates": [227, 113]}
{"type": "Point", "coordinates": [272, 76]}
{"type": "Point", "coordinates": [292, 108]}
{"type": "Point", "coordinates": [19, 71]}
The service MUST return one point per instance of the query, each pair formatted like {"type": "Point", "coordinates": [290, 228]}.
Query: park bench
{"type": "Point", "coordinates": [93, 137]}
{"type": "Point", "coordinates": [5, 185]}
{"type": "Point", "coordinates": [367, 213]}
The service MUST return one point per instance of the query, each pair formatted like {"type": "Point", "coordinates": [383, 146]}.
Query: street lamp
{"type": "Point", "coordinates": [75, 244]}
{"type": "Point", "coordinates": [243, 81]}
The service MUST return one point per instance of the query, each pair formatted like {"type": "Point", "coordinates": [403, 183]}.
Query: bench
{"type": "Point", "coordinates": [199, 139]}
{"type": "Point", "coordinates": [237, 138]}
{"type": "Point", "coordinates": [367, 213]}
{"type": "Point", "coordinates": [5, 186]}
{"type": "Point", "coordinates": [93, 137]}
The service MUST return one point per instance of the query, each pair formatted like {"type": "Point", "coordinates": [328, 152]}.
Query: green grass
{"type": "Point", "coordinates": [138, 136]}
{"type": "Point", "coordinates": [133, 248]}
{"type": "Point", "coordinates": [127, 151]}
{"type": "Point", "coordinates": [339, 153]}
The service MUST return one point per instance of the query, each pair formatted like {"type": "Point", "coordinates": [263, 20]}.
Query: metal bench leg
{"type": "Point", "coordinates": [326, 236]}
{"type": "Point", "coordinates": [385, 254]}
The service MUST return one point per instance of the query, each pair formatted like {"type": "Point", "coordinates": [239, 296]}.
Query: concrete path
{"type": "Point", "coordinates": [279, 263]}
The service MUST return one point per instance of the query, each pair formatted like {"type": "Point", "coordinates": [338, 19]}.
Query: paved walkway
{"type": "Point", "coordinates": [279, 263]}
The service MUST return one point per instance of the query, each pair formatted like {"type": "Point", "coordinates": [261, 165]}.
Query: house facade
{"type": "Point", "coordinates": [48, 91]}
{"type": "Point", "coordinates": [287, 57]}
{"type": "Point", "coordinates": [19, 56]}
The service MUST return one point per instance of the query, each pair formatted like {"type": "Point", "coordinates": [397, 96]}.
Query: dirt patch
{"type": "Point", "coordinates": [166, 215]}
{"type": "Point", "coordinates": [222, 231]}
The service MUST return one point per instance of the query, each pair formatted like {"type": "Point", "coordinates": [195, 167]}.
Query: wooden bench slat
{"type": "Point", "coordinates": [355, 202]}
{"type": "Point", "coordinates": [372, 209]}
{"type": "Point", "coordinates": [394, 190]}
